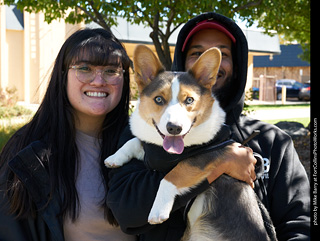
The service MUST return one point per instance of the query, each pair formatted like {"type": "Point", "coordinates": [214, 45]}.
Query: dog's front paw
{"type": "Point", "coordinates": [116, 160]}
{"type": "Point", "coordinates": [163, 202]}
{"type": "Point", "coordinates": [111, 162]}
{"type": "Point", "coordinates": [157, 216]}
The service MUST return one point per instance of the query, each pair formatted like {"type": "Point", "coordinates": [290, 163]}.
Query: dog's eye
{"type": "Point", "coordinates": [159, 100]}
{"type": "Point", "coordinates": [189, 100]}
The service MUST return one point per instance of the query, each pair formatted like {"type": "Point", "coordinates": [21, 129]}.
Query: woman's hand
{"type": "Point", "coordinates": [238, 163]}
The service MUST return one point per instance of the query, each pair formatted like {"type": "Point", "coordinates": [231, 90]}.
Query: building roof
{"type": "Point", "coordinates": [133, 33]}
{"type": "Point", "coordinates": [260, 42]}
{"type": "Point", "coordinates": [14, 18]}
{"type": "Point", "coordinates": [288, 58]}
{"type": "Point", "coordinates": [257, 41]}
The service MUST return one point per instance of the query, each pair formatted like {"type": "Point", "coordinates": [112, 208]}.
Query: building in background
{"type": "Point", "coordinates": [287, 65]}
{"type": "Point", "coordinates": [268, 69]}
{"type": "Point", "coordinates": [29, 46]}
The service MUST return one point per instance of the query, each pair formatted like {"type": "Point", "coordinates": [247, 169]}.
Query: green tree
{"type": "Point", "coordinates": [290, 18]}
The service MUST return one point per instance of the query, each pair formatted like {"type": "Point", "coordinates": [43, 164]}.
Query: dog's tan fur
{"type": "Point", "coordinates": [185, 175]}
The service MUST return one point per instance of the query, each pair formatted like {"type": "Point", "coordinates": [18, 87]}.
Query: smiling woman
{"type": "Point", "coordinates": [92, 95]}
{"type": "Point", "coordinates": [55, 183]}
{"type": "Point", "coordinates": [95, 82]}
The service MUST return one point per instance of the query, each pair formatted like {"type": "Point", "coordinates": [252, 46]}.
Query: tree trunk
{"type": "Point", "coordinates": [163, 52]}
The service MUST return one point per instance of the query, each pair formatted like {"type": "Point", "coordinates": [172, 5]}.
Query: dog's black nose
{"type": "Point", "coordinates": [173, 129]}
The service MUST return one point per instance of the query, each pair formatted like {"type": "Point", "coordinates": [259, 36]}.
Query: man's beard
{"type": "Point", "coordinates": [225, 92]}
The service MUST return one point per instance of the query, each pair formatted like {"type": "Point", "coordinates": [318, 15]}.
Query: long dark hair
{"type": "Point", "coordinates": [54, 123]}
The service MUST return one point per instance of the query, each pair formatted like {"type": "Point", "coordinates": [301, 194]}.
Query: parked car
{"type": "Point", "coordinates": [293, 88]}
{"type": "Point", "coordinates": [255, 92]}
{"type": "Point", "coordinates": [304, 93]}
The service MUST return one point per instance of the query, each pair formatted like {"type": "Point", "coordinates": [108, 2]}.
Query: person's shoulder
{"type": "Point", "coordinates": [268, 130]}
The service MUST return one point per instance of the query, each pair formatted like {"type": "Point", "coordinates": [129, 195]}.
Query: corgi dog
{"type": "Point", "coordinates": [177, 110]}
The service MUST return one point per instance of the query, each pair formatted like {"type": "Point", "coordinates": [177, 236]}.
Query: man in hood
{"type": "Point", "coordinates": [285, 189]}
{"type": "Point", "coordinates": [133, 187]}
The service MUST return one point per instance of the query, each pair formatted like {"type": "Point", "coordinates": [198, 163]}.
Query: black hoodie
{"type": "Point", "coordinates": [285, 179]}
{"type": "Point", "coordinates": [285, 189]}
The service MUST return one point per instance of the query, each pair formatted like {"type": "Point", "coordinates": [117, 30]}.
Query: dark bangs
{"type": "Point", "coordinates": [98, 50]}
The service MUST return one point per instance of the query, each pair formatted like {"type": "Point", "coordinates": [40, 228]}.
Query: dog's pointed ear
{"type": "Point", "coordinates": [206, 68]}
{"type": "Point", "coordinates": [146, 66]}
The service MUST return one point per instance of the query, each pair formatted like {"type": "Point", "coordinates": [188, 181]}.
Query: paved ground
{"type": "Point", "coordinates": [291, 101]}
{"type": "Point", "coordinates": [282, 113]}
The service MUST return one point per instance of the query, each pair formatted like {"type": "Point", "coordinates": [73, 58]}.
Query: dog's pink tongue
{"type": "Point", "coordinates": [173, 144]}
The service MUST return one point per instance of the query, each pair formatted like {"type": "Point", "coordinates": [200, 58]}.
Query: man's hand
{"type": "Point", "coordinates": [238, 163]}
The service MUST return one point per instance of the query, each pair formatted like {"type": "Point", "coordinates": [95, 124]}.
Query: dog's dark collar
{"type": "Point", "coordinates": [156, 158]}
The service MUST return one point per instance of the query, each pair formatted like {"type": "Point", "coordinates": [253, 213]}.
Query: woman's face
{"type": "Point", "coordinates": [92, 101]}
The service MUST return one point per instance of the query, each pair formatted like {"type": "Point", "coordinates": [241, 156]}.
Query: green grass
{"type": "Point", "coordinates": [8, 123]}
{"type": "Point", "coordinates": [264, 107]}
{"type": "Point", "coordinates": [305, 121]}
{"type": "Point", "coordinates": [6, 132]}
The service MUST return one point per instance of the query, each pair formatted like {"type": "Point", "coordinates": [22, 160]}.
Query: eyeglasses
{"type": "Point", "coordinates": [86, 73]}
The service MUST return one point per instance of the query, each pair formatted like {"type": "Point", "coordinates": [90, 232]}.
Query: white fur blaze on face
{"type": "Point", "coordinates": [175, 113]}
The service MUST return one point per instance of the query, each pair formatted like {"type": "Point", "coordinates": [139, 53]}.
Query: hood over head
{"type": "Point", "coordinates": [235, 100]}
